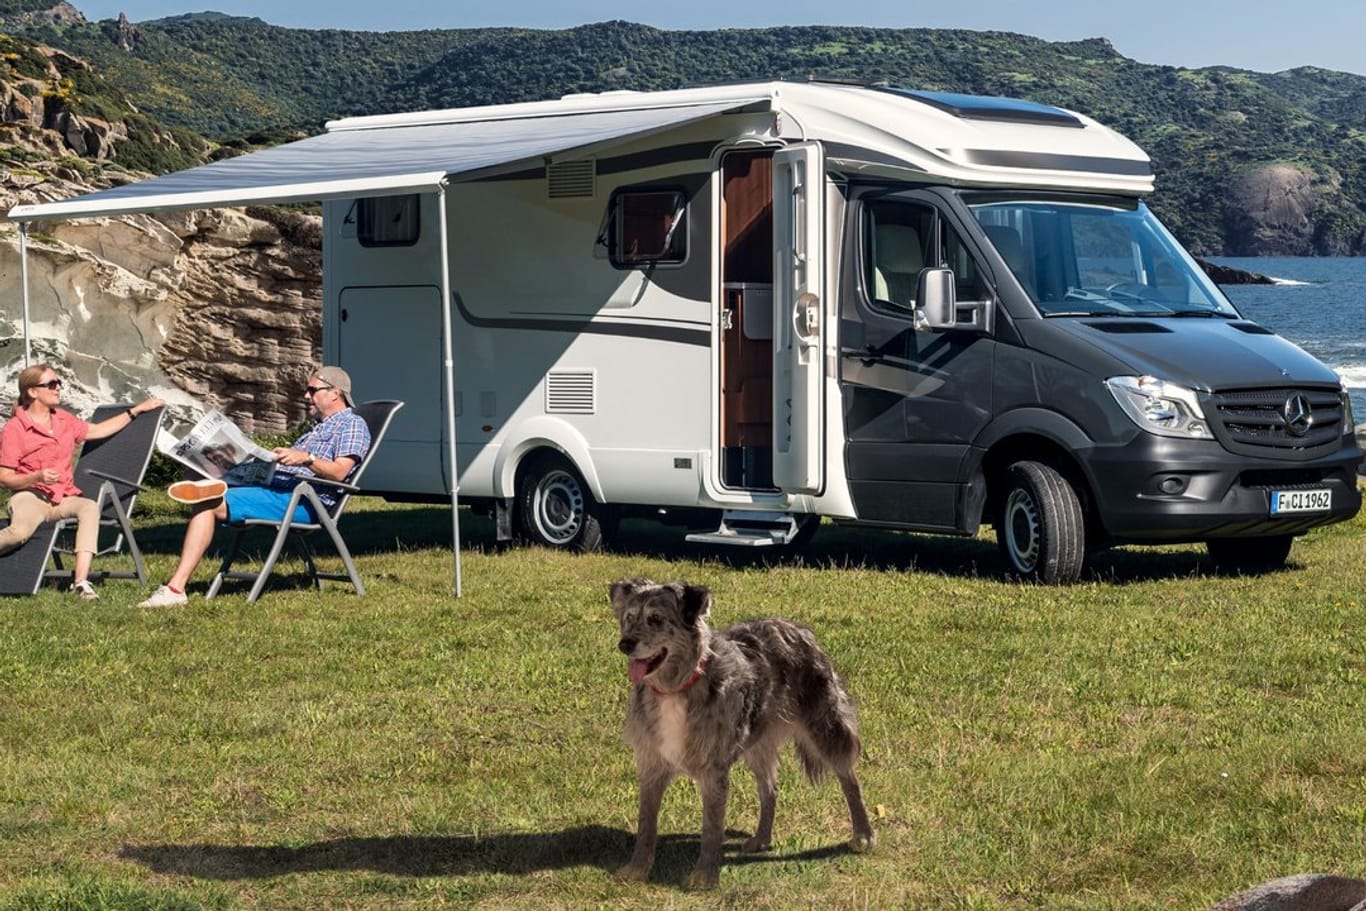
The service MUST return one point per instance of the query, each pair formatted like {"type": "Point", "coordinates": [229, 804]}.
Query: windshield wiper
{"type": "Point", "coordinates": [1201, 313]}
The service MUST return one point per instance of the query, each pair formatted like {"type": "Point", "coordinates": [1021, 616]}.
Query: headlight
{"type": "Point", "coordinates": [1159, 407]}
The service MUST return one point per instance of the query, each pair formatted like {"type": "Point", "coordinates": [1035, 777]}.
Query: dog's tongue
{"type": "Point", "coordinates": [637, 670]}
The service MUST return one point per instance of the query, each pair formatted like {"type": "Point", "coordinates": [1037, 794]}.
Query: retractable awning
{"type": "Point", "coordinates": [393, 155]}
{"type": "Point", "coordinates": [388, 158]}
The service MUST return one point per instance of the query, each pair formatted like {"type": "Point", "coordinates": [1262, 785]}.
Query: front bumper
{"type": "Point", "coordinates": [1161, 490]}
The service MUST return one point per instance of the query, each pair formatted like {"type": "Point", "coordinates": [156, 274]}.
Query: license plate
{"type": "Point", "coordinates": [1285, 501]}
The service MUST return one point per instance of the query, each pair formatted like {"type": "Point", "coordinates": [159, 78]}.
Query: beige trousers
{"type": "Point", "coordinates": [27, 511]}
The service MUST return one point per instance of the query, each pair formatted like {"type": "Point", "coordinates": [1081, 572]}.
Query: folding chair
{"type": "Point", "coordinates": [377, 415]}
{"type": "Point", "coordinates": [110, 472]}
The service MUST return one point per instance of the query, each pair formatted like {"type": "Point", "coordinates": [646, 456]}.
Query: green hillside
{"type": "Point", "coordinates": [1206, 129]}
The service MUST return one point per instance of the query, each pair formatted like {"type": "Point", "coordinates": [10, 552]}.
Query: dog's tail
{"type": "Point", "coordinates": [830, 740]}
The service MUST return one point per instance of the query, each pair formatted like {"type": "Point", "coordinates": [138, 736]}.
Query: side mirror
{"type": "Point", "coordinates": [938, 307]}
{"type": "Point", "coordinates": [935, 298]}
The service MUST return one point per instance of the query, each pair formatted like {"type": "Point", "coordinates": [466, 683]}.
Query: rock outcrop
{"type": "Point", "coordinates": [214, 309]}
{"type": "Point", "coordinates": [206, 309]}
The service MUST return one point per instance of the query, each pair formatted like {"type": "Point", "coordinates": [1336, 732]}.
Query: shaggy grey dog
{"type": "Point", "coordinates": [703, 700]}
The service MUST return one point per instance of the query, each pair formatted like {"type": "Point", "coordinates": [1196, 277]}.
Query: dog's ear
{"type": "Point", "coordinates": [696, 603]}
{"type": "Point", "coordinates": [622, 589]}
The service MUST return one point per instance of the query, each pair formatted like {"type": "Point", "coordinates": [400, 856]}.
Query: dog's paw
{"type": "Point", "coordinates": [632, 873]}
{"type": "Point", "coordinates": [702, 880]}
{"type": "Point", "coordinates": [756, 845]}
{"type": "Point", "coordinates": [862, 844]}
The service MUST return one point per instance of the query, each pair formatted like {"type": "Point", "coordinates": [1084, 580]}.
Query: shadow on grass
{"type": "Point", "coordinates": [454, 855]}
{"type": "Point", "coordinates": [377, 532]}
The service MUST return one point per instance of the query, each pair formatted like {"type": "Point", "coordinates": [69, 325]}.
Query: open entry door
{"type": "Point", "coordinates": [799, 328]}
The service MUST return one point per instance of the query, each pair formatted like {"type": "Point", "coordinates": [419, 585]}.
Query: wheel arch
{"type": "Point", "coordinates": [544, 434]}
{"type": "Point", "coordinates": [1038, 435]}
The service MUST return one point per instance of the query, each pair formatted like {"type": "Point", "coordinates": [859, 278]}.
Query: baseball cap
{"type": "Point", "coordinates": [338, 379]}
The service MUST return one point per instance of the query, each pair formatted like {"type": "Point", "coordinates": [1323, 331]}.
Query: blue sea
{"type": "Point", "coordinates": [1319, 304]}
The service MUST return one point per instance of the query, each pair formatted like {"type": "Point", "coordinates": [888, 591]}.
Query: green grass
{"type": "Point", "coordinates": [1154, 738]}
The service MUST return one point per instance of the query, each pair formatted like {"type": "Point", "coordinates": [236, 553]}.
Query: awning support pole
{"type": "Point", "coordinates": [23, 284]}
{"type": "Point", "coordinates": [447, 349]}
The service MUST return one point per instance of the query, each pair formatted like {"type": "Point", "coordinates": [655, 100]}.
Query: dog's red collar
{"type": "Point", "coordinates": [696, 676]}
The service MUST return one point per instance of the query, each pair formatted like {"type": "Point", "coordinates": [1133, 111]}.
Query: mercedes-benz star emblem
{"type": "Point", "coordinates": [1297, 414]}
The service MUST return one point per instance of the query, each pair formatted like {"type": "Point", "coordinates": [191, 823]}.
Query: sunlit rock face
{"type": "Point", "coordinates": [205, 309]}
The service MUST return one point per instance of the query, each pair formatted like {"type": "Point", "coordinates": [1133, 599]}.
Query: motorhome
{"type": "Point", "coordinates": [762, 305]}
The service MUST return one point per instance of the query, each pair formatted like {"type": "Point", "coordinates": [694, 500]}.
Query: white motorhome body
{"type": "Point", "coordinates": [781, 301]}
{"type": "Point", "coordinates": [702, 375]}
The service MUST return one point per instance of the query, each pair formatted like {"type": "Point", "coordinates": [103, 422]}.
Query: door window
{"type": "Point", "coordinates": [901, 239]}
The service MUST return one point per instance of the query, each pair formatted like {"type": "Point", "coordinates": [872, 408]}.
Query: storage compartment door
{"type": "Point", "coordinates": [389, 341]}
{"type": "Point", "coordinates": [798, 321]}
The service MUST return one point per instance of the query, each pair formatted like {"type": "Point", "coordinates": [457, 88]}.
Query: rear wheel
{"type": "Point", "coordinates": [1249, 555]}
{"type": "Point", "coordinates": [1040, 527]}
{"type": "Point", "coordinates": [555, 507]}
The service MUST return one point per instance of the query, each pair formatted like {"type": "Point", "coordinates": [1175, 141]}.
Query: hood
{"type": "Point", "coordinates": [1199, 353]}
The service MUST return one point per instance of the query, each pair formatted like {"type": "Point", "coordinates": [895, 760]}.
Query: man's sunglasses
{"type": "Point", "coordinates": [314, 390]}
{"type": "Point", "coordinates": [51, 384]}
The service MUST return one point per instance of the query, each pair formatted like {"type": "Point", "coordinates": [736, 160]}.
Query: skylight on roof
{"type": "Point", "coordinates": [987, 107]}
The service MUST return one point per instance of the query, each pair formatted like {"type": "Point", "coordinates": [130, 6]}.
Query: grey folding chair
{"type": "Point", "coordinates": [377, 415]}
{"type": "Point", "coordinates": [110, 472]}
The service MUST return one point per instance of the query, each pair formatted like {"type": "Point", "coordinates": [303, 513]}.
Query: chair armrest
{"type": "Point", "coordinates": [316, 480]}
{"type": "Point", "coordinates": [105, 476]}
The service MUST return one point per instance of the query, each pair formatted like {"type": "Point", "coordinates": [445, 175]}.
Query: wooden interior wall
{"type": "Point", "coordinates": [747, 232]}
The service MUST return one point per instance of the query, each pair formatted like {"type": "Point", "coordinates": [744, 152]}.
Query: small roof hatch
{"type": "Point", "coordinates": [988, 107]}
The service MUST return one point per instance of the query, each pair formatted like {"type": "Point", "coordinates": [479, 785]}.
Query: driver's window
{"type": "Point", "coordinates": [897, 236]}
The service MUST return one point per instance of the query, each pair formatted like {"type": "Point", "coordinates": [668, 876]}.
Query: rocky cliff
{"type": "Point", "coordinates": [206, 309]}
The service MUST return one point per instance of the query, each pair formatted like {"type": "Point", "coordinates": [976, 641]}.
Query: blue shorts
{"type": "Point", "coordinates": [263, 503]}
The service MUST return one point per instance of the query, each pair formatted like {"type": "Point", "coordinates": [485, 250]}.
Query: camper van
{"type": "Point", "coordinates": [907, 309]}
{"type": "Point", "coordinates": [758, 306]}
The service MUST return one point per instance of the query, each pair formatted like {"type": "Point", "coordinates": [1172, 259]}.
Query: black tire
{"type": "Point", "coordinates": [1040, 526]}
{"type": "Point", "coordinates": [1249, 555]}
{"type": "Point", "coordinates": [556, 509]}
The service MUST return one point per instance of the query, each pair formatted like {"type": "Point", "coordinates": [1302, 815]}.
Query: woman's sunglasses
{"type": "Point", "coordinates": [51, 384]}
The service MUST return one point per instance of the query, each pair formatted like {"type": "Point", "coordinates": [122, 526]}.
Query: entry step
{"type": "Point", "coordinates": [750, 529]}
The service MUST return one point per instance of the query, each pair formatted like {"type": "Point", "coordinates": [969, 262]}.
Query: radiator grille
{"type": "Point", "coordinates": [571, 179]}
{"type": "Point", "coordinates": [571, 392]}
{"type": "Point", "coordinates": [1261, 419]}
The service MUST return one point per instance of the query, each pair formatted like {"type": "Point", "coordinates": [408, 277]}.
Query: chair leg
{"type": "Point", "coordinates": [310, 562]}
{"type": "Point", "coordinates": [126, 534]}
{"type": "Point", "coordinates": [231, 555]}
{"type": "Point", "coordinates": [330, 524]}
{"type": "Point", "coordinates": [269, 565]}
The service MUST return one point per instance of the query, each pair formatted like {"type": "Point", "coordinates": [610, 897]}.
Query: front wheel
{"type": "Point", "coordinates": [555, 507]}
{"type": "Point", "coordinates": [1040, 527]}
{"type": "Point", "coordinates": [1249, 555]}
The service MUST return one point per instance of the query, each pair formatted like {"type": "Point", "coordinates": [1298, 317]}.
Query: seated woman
{"type": "Point", "coordinates": [37, 448]}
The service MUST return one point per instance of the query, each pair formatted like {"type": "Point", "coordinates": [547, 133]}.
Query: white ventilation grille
{"type": "Point", "coordinates": [571, 392]}
{"type": "Point", "coordinates": [571, 179]}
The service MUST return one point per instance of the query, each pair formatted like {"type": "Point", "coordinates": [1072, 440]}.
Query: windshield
{"type": "Point", "coordinates": [1097, 259]}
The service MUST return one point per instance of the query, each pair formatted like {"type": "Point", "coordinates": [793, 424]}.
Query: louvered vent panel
{"type": "Point", "coordinates": [571, 179]}
{"type": "Point", "coordinates": [571, 392]}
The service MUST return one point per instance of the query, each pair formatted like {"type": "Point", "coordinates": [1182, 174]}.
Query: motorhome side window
{"type": "Point", "coordinates": [901, 239]}
{"type": "Point", "coordinates": [647, 228]}
{"type": "Point", "coordinates": [387, 221]}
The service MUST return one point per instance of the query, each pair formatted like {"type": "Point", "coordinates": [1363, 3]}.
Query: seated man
{"type": "Point", "coordinates": [332, 449]}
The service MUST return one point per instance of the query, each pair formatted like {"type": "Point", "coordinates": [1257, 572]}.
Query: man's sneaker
{"type": "Point", "coordinates": [196, 491]}
{"type": "Point", "coordinates": [84, 590]}
{"type": "Point", "coordinates": [164, 597]}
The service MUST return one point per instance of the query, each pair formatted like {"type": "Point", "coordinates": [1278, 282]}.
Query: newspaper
{"type": "Point", "coordinates": [217, 448]}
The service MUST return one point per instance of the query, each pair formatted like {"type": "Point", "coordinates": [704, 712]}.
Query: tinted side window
{"type": "Point", "coordinates": [388, 221]}
{"type": "Point", "coordinates": [647, 227]}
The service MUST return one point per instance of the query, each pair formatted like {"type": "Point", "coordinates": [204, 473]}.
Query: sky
{"type": "Point", "coordinates": [1247, 34]}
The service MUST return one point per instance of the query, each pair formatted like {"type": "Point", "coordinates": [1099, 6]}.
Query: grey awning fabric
{"type": "Point", "coordinates": [383, 160]}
